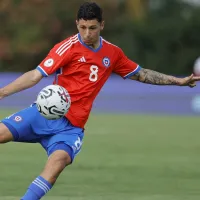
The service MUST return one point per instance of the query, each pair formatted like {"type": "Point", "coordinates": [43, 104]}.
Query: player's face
{"type": "Point", "coordinates": [89, 31]}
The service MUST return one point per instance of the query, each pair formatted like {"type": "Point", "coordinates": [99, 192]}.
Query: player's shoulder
{"type": "Point", "coordinates": [110, 45]}
{"type": "Point", "coordinates": [61, 47]}
{"type": "Point", "coordinates": [68, 40]}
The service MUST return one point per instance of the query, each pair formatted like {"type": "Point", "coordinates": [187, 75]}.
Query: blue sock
{"type": "Point", "coordinates": [37, 189]}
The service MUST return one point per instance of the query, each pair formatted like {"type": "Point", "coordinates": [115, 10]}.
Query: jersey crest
{"type": "Point", "coordinates": [106, 61]}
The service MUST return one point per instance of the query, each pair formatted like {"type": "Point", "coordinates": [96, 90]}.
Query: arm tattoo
{"type": "Point", "coordinates": [152, 77]}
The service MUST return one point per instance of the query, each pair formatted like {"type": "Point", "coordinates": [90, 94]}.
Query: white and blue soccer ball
{"type": "Point", "coordinates": [53, 102]}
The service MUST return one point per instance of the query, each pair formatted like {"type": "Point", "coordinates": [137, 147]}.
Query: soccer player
{"type": "Point", "coordinates": [82, 64]}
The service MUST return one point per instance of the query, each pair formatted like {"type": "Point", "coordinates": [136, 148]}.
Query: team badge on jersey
{"type": "Point", "coordinates": [106, 61]}
{"type": "Point", "coordinates": [18, 118]}
{"type": "Point", "coordinates": [49, 62]}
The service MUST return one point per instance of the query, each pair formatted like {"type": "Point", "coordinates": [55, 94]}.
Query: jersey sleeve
{"type": "Point", "coordinates": [54, 60]}
{"type": "Point", "coordinates": [124, 66]}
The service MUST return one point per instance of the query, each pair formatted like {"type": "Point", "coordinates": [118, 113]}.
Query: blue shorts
{"type": "Point", "coordinates": [29, 126]}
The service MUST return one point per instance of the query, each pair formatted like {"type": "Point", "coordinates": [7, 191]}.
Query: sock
{"type": "Point", "coordinates": [37, 189]}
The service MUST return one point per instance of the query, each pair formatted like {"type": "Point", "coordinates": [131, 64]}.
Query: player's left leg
{"type": "Point", "coordinates": [61, 149]}
{"type": "Point", "coordinates": [56, 163]}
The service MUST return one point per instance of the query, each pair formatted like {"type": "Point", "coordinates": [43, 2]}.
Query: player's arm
{"type": "Point", "coordinates": [152, 77]}
{"type": "Point", "coordinates": [27, 80]}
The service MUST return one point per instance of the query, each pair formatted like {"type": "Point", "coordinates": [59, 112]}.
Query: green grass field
{"type": "Point", "coordinates": [125, 157]}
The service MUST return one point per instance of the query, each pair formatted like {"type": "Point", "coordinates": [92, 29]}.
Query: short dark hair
{"type": "Point", "coordinates": [89, 11]}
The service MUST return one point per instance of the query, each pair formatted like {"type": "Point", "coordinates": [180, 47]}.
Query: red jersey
{"type": "Point", "coordinates": [83, 71]}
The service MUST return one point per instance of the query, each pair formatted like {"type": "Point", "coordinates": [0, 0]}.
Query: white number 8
{"type": "Point", "coordinates": [93, 75]}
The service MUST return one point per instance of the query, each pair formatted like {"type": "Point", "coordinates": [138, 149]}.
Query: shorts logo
{"type": "Point", "coordinates": [49, 62]}
{"type": "Point", "coordinates": [18, 118]}
{"type": "Point", "coordinates": [106, 61]}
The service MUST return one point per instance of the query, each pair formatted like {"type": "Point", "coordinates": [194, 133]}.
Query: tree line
{"type": "Point", "coordinates": [164, 38]}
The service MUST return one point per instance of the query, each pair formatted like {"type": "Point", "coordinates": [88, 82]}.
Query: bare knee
{"type": "Point", "coordinates": [55, 165]}
{"type": "Point", "coordinates": [5, 134]}
{"type": "Point", "coordinates": [60, 159]}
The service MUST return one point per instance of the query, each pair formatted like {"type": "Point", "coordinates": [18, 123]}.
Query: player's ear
{"type": "Point", "coordinates": [76, 22]}
{"type": "Point", "coordinates": [102, 25]}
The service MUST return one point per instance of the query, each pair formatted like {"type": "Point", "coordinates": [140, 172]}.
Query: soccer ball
{"type": "Point", "coordinates": [53, 102]}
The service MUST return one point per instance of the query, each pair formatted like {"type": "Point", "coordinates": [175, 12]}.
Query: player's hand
{"type": "Point", "coordinates": [189, 81]}
{"type": "Point", "coordinates": [1, 94]}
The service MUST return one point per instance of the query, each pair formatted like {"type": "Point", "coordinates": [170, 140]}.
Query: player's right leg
{"type": "Point", "coordinates": [5, 134]}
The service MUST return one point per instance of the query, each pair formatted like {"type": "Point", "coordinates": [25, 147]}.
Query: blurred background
{"type": "Point", "coordinates": [150, 134]}
{"type": "Point", "coordinates": [162, 35]}
{"type": "Point", "coordinates": [159, 34]}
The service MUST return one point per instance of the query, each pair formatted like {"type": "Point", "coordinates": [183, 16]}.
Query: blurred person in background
{"type": "Point", "coordinates": [82, 63]}
{"type": "Point", "coordinates": [197, 67]}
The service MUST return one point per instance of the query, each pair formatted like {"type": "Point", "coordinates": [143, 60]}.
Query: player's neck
{"type": "Point", "coordinates": [95, 45]}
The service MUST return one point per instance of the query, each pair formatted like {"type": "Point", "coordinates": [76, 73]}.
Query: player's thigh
{"type": "Point", "coordinates": [19, 125]}
{"type": "Point", "coordinates": [69, 143]}
{"type": "Point", "coordinates": [5, 134]}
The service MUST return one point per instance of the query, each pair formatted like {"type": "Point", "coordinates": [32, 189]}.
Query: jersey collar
{"type": "Point", "coordinates": [90, 48]}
